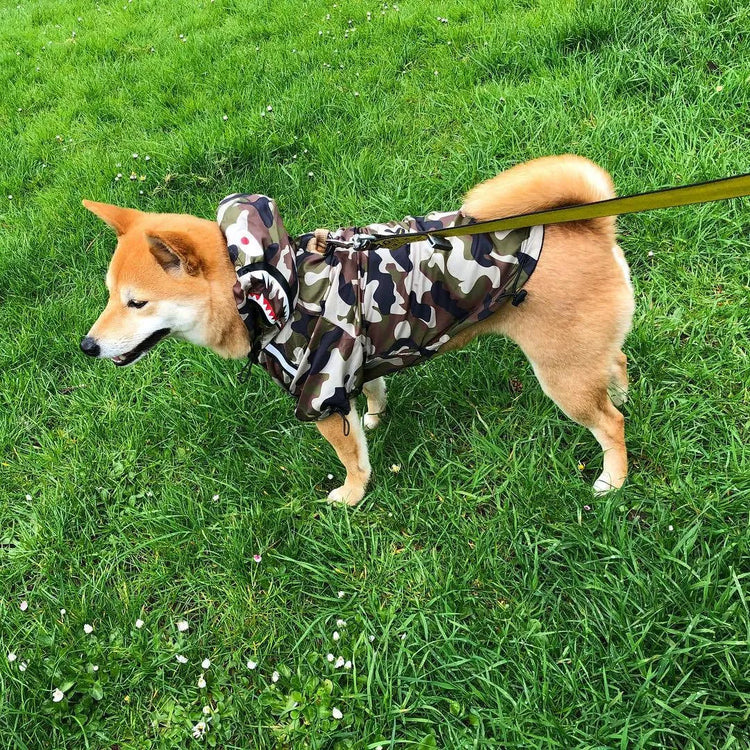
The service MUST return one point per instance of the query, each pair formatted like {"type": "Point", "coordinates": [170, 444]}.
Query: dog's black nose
{"type": "Point", "coordinates": [90, 347]}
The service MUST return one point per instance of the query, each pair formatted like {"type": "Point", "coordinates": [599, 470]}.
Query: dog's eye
{"type": "Point", "coordinates": [135, 303]}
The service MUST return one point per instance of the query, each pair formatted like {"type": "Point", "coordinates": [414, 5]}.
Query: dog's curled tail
{"type": "Point", "coordinates": [545, 183]}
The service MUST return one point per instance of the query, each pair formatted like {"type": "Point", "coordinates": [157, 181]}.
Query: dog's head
{"type": "Point", "coordinates": [162, 281]}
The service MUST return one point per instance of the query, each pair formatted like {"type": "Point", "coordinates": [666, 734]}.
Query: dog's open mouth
{"type": "Point", "coordinates": [121, 360]}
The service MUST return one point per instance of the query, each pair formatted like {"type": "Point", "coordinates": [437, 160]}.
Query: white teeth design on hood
{"type": "Point", "coordinates": [265, 305]}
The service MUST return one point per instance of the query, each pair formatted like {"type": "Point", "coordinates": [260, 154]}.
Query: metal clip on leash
{"type": "Point", "coordinates": [357, 242]}
{"type": "Point", "coordinates": [362, 241]}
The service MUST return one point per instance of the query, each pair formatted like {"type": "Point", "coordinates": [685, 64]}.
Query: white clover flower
{"type": "Point", "coordinates": [225, 118]}
{"type": "Point", "coordinates": [216, 497]}
{"type": "Point", "coordinates": [181, 659]}
{"type": "Point", "coordinates": [201, 682]}
{"type": "Point", "coordinates": [330, 476]}
{"type": "Point", "coordinates": [269, 108]}
{"type": "Point", "coordinates": [139, 623]}
{"type": "Point", "coordinates": [22, 667]}
{"type": "Point", "coordinates": [311, 174]}
{"type": "Point", "coordinates": [339, 662]}
{"type": "Point", "coordinates": [24, 605]}
{"type": "Point", "coordinates": [12, 657]}
{"type": "Point", "coordinates": [395, 468]}
{"type": "Point", "coordinates": [63, 612]}
{"type": "Point", "coordinates": [206, 710]}
{"type": "Point", "coordinates": [337, 714]}
{"type": "Point", "coordinates": [371, 638]}
{"type": "Point", "coordinates": [199, 730]}
{"type": "Point", "coordinates": [336, 635]}
{"type": "Point", "coordinates": [206, 663]}
{"type": "Point", "coordinates": [341, 594]}
{"type": "Point", "coordinates": [182, 626]}
{"type": "Point", "coordinates": [28, 497]}
{"type": "Point", "coordinates": [135, 156]}
{"type": "Point", "coordinates": [95, 667]}
{"type": "Point", "coordinates": [348, 665]}
{"type": "Point", "coordinates": [341, 623]}
{"type": "Point", "coordinates": [88, 629]}
{"type": "Point", "coordinates": [275, 677]}
{"type": "Point", "coordinates": [330, 657]}
{"type": "Point", "coordinates": [251, 664]}
{"type": "Point", "coordinates": [57, 695]}
{"type": "Point", "coordinates": [670, 527]}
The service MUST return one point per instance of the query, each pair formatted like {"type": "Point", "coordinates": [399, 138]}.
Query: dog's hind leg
{"type": "Point", "coordinates": [582, 394]}
{"type": "Point", "coordinates": [376, 402]}
{"type": "Point", "coordinates": [348, 440]}
{"type": "Point", "coordinates": [572, 327]}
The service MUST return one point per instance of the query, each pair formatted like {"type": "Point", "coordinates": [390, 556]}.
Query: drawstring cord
{"type": "Point", "coordinates": [345, 426]}
{"type": "Point", "coordinates": [252, 359]}
{"type": "Point", "coordinates": [244, 374]}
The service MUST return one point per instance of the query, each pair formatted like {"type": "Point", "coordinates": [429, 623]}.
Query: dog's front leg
{"type": "Point", "coordinates": [348, 440]}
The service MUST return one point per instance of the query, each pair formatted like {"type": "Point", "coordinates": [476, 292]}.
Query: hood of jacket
{"type": "Point", "coordinates": [264, 258]}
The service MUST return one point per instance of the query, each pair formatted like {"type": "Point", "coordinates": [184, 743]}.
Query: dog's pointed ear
{"type": "Point", "coordinates": [120, 219]}
{"type": "Point", "coordinates": [174, 251]}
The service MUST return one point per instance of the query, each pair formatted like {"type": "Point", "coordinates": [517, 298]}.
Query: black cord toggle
{"type": "Point", "coordinates": [519, 297]}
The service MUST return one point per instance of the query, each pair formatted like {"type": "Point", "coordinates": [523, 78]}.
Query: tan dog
{"type": "Point", "coordinates": [171, 275]}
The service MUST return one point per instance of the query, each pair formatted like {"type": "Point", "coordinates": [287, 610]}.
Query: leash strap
{"type": "Point", "coordinates": [703, 192]}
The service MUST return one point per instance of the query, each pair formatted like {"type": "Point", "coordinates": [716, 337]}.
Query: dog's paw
{"type": "Point", "coordinates": [605, 484]}
{"type": "Point", "coordinates": [371, 421]}
{"type": "Point", "coordinates": [348, 494]}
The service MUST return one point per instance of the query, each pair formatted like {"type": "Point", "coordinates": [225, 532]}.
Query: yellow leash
{"type": "Point", "coordinates": [704, 192]}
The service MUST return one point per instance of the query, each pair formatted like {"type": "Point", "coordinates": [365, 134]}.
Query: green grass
{"type": "Point", "coordinates": [528, 621]}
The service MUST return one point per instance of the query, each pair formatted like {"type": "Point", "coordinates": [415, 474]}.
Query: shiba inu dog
{"type": "Point", "coordinates": [328, 321]}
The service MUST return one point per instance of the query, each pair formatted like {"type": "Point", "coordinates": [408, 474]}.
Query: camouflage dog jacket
{"type": "Point", "coordinates": [324, 324]}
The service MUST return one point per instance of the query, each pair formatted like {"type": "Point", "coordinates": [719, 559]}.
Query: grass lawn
{"type": "Point", "coordinates": [489, 601]}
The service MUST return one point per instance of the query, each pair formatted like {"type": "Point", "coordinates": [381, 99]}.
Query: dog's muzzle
{"type": "Point", "coordinates": [91, 347]}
